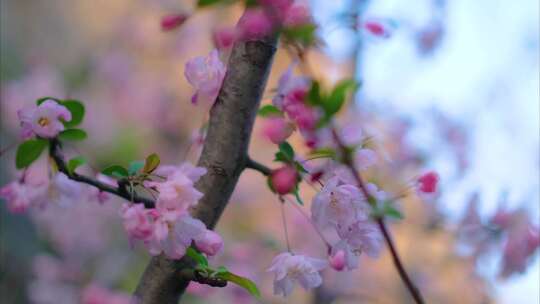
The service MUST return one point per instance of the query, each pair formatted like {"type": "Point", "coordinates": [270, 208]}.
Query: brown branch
{"type": "Point", "coordinates": [254, 165]}
{"type": "Point", "coordinates": [121, 191]}
{"type": "Point", "coordinates": [224, 155]}
{"type": "Point", "coordinates": [415, 292]}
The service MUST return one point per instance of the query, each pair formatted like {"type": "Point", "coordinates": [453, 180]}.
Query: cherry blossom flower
{"type": "Point", "coordinates": [277, 129]}
{"type": "Point", "coordinates": [290, 88]}
{"type": "Point", "coordinates": [297, 15]}
{"type": "Point", "coordinates": [205, 74]}
{"type": "Point", "coordinates": [137, 221]}
{"type": "Point", "coordinates": [289, 268]}
{"type": "Point", "coordinates": [343, 257]}
{"type": "Point", "coordinates": [284, 179]}
{"type": "Point", "coordinates": [210, 243]}
{"type": "Point", "coordinates": [362, 236]}
{"type": "Point", "coordinates": [44, 120]}
{"type": "Point", "coordinates": [224, 38]}
{"type": "Point", "coordinates": [364, 158]}
{"type": "Point", "coordinates": [427, 183]}
{"type": "Point", "coordinates": [338, 204]}
{"type": "Point", "coordinates": [21, 196]}
{"type": "Point", "coordinates": [172, 21]}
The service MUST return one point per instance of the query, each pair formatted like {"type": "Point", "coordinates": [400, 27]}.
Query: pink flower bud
{"type": "Point", "coordinates": [210, 243]}
{"type": "Point", "coordinates": [172, 21]}
{"type": "Point", "coordinates": [427, 183]}
{"type": "Point", "coordinates": [224, 38]}
{"type": "Point", "coordinates": [277, 129]}
{"type": "Point", "coordinates": [254, 24]}
{"type": "Point", "coordinates": [378, 28]}
{"type": "Point", "coordinates": [337, 261]}
{"type": "Point", "coordinates": [284, 179]}
{"type": "Point", "coordinates": [297, 15]}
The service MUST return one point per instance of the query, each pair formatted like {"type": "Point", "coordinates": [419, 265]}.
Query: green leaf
{"type": "Point", "coordinates": [135, 166]}
{"type": "Point", "coordinates": [203, 3]}
{"type": "Point", "coordinates": [300, 167]}
{"type": "Point", "coordinates": [77, 112]}
{"type": "Point", "coordinates": [43, 99]}
{"type": "Point", "coordinates": [151, 163]}
{"type": "Point", "coordinates": [281, 157]}
{"type": "Point", "coordinates": [314, 95]}
{"type": "Point", "coordinates": [338, 96]}
{"type": "Point", "coordinates": [74, 163]}
{"type": "Point", "coordinates": [246, 283]}
{"type": "Point", "coordinates": [297, 195]}
{"type": "Point", "coordinates": [29, 151]}
{"type": "Point", "coordinates": [269, 110]}
{"type": "Point", "coordinates": [115, 171]}
{"type": "Point", "coordinates": [287, 150]}
{"type": "Point", "coordinates": [390, 211]}
{"type": "Point", "coordinates": [303, 34]}
{"type": "Point", "coordinates": [197, 256]}
{"type": "Point", "coordinates": [322, 153]}
{"type": "Point", "coordinates": [269, 184]}
{"type": "Point", "coordinates": [72, 135]}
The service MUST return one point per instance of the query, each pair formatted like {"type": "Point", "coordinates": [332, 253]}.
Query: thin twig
{"type": "Point", "coordinates": [121, 191]}
{"type": "Point", "coordinates": [251, 164]}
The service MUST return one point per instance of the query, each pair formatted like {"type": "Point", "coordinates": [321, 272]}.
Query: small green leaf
{"type": "Point", "coordinates": [135, 167]}
{"type": "Point", "coordinates": [287, 150]}
{"type": "Point", "coordinates": [72, 135]}
{"type": "Point", "coordinates": [221, 269]}
{"type": "Point", "coordinates": [74, 163]}
{"type": "Point", "coordinates": [300, 167]}
{"type": "Point", "coordinates": [204, 3]}
{"type": "Point", "coordinates": [115, 171]}
{"type": "Point", "coordinates": [77, 112]}
{"type": "Point", "coordinates": [297, 195]}
{"type": "Point", "coordinates": [246, 283]}
{"type": "Point", "coordinates": [303, 34]}
{"type": "Point", "coordinates": [269, 110]}
{"type": "Point", "coordinates": [322, 153]}
{"type": "Point", "coordinates": [29, 151]}
{"type": "Point", "coordinates": [43, 99]}
{"type": "Point", "coordinates": [314, 95]}
{"type": "Point", "coordinates": [281, 157]}
{"type": "Point", "coordinates": [338, 96]}
{"type": "Point", "coordinates": [269, 184]}
{"type": "Point", "coordinates": [198, 257]}
{"type": "Point", "coordinates": [390, 211]}
{"type": "Point", "coordinates": [151, 163]}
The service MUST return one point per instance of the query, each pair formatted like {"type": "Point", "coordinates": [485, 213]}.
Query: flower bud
{"type": "Point", "coordinates": [283, 180]}
{"type": "Point", "coordinates": [427, 183]}
{"type": "Point", "coordinates": [277, 129]}
{"type": "Point", "coordinates": [210, 243]}
{"type": "Point", "coordinates": [172, 21]}
{"type": "Point", "coordinates": [337, 260]}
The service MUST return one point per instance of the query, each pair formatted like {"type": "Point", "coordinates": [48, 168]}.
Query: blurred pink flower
{"type": "Point", "coordinates": [43, 120]}
{"type": "Point", "coordinates": [362, 236]}
{"type": "Point", "coordinates": [364, 158]}
{"type": "Point", "coordinates": [172, 21]}
{"type": "Point", "coordinates": [95, 294]}
{"type": "Point", "coordinates": [289, 268]}
{"type": "Point", "coordinates": [427, 182]}
{"type": "Point", "coordinates": [21, 196]}
{"type": "Point", "coordinates": [378, 28]}
{"type": "Point", "coordinates": [277, 129]}
{"type": "Point", "coordinates": [297, 15]}
{"type": "Point", "coordinates": [137, 221]}
{"type": "Point", "coordinates": [205, 74]}
{"type": "Point", "coordinates": [255, 23]}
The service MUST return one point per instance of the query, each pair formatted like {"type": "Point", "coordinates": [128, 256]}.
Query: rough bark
{"type": "Point", "coordinates": [224, 155]}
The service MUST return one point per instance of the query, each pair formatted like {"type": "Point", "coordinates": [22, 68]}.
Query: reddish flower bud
{"type": "Point", "coordinates": [224, 38]}
{"type": "Point", "coordinates": [277, 129]}
{"type": "Point", "coordinates": [284, 179]}
{"type": "Point", "coordinates": [211, 243]}
{"type": "Point", "coordinates": [337, 261]}
{"type": "Point", "coordinates": [172, 21]}
{"type": "Point", "coordinates": [427, 183]}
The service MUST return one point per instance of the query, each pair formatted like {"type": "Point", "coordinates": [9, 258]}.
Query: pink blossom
{"type": "Point", "coordinates": [210, 243]}
{"type": "Point", "coordinates": [224, 38]}
{"type": "Point", "coordinates": [290, 89]}
{"type": "Point", "coordinates": [255, 23]}
{"type": "Point", "coordinates": [337, 260]}
{"type": "Point", "coordinates": [427, 183]}
{"type": "Point", "coordinates": [173, 234]}
{"type": "Point", "coordinates": [362, 236]}
{"type": "Point", "coordinates": [21, 196]}
{"type": "Point", "coordinates": [102, 196]}
{"type": "Point", "coordinates": [137, 221]}
{"type": "Point", "coordinates": [172, 21]}
{"type": "Point", "coordinates": [338, 204]}
{"type": "Point", "coordinates": [43, 120]}
{"type": "Point", "coordinates": [364, 158]}
{"type": "Point", "coordinates": [284, 179]}
{"type": "Point", "coordinates": [205, 74]}
{"type": "Point", "coordinates": [297, 15]}
{"type": "Point", "coordinates": [289, 268]}
{"type": "Point", "coordinates": [95, 294]}
{"type": "Point", "coordinates": [277, 129]}
{"type": "Point", "coordinates": [520, 245]}
{"type": "Point", "coordinates": [378, 28]}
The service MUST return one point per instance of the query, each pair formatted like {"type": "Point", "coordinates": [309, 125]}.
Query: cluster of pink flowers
{"type": "Point", "coordinates": [44, 120]}
{"type": "Point", "coordinates": [168, 228]}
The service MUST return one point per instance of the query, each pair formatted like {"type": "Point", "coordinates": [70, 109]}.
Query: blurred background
{"type": "Point", "coordinates": [454, 88]}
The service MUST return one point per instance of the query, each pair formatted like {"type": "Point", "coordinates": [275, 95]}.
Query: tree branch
{"type": "Point", "coordinates": [254, 165]}
{"type": "Point", "coordinates": [224, 155]}
{"type": "Point", "coordinates": [415, 292]}
{"type": "Point", "coordinates": [121, 191]}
